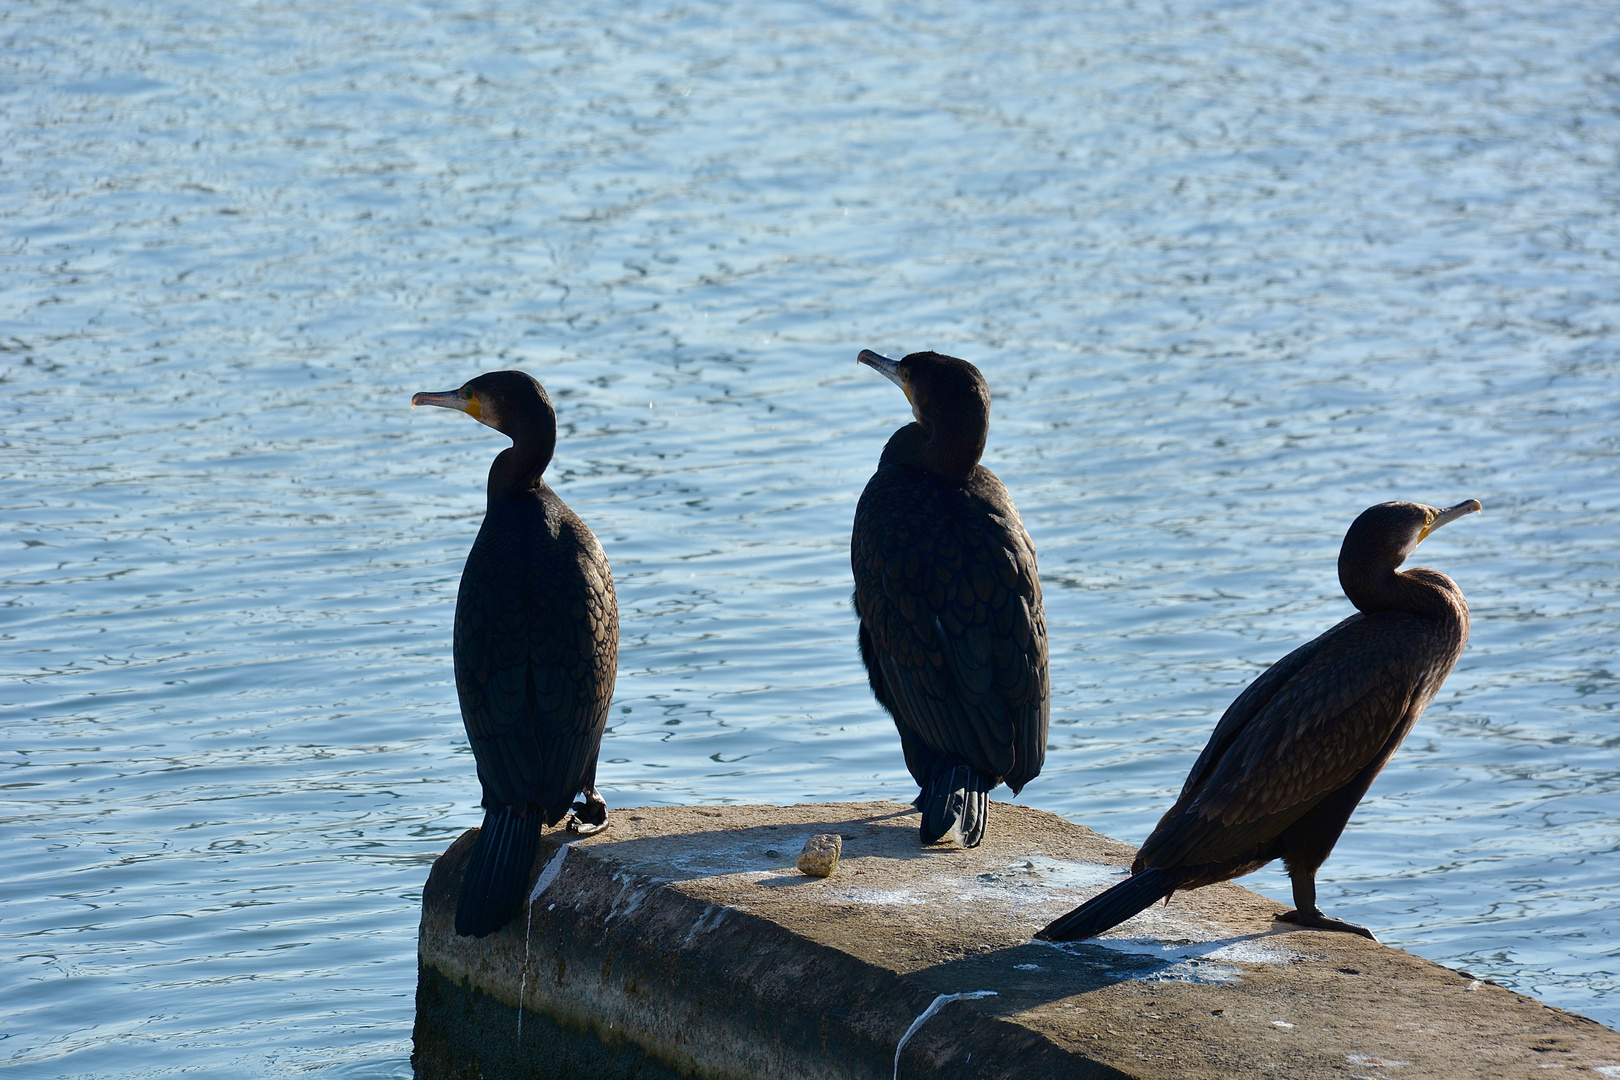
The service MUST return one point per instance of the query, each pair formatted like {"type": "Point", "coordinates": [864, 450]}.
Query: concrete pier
{"type": "Point", "coordinates": [684, 942]}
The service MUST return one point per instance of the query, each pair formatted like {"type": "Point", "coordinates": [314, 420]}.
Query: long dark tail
{"type": "Point", "coordinates": [1108, 909]}
{"type": "Point", "coordinates": [492, 889]}
{"type": "Point", "coordinates": [955, 802]}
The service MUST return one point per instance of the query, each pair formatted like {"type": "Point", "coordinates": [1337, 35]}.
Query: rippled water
{"type": "Point", "coordinates": [1234, 271]}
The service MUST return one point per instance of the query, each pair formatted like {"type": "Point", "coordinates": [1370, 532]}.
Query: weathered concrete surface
{"type": "Point", "coordinates": [683, 942]}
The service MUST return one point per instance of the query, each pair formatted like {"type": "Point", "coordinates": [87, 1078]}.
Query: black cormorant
{"type": "Point", "coordinates": [952, 633]}
{"type": "Point", "coordinates": [1297, 750]}
{"type": "Point", "coordinates": [536, 651]}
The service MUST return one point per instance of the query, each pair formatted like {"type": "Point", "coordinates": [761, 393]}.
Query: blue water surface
{"type": "Point", "coordinates": [1234, 270]}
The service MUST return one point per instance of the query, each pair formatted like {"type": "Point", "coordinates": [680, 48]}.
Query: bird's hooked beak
{"type": "Point", "coordinates": [450, 399]}
{"type": "Point", "coordinates": [889, 369]}
{"type": "Point", "coordinates": [1451, 513]}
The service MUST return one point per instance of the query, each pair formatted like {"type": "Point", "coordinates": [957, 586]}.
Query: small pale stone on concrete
{"type": "Point", "coordinates": [820, 855]}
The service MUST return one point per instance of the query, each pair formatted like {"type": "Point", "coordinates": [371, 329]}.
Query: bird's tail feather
{"type": "Point", "coordinates": [497, 872]}
{"type": "Point", "coordinates": [955, 803]}
{"type": "Point", "coordinates": [1108, 909]}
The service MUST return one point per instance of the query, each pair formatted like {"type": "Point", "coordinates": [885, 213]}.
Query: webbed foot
{"type": "Point", "coordinates": [589, 817]}
{"type": "Point", "coordinates": [1315, 920]}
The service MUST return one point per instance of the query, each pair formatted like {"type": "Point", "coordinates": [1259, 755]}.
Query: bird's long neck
{"type": "Point", "coordinates": [517, 468]}
{"type": "Point", "coordinates": [1419, 591]}
{"type": "Point", "coordinates": [928, 449]}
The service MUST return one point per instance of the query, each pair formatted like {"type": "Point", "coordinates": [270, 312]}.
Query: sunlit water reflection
{"type": "Point", "coordinates": [1234, 273]}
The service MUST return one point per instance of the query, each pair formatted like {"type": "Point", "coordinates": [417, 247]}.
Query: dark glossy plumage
{"type": "Point", "coordinates": [536, 650]}
{"type": "Point", "coordinates": [1294, 754]}
{"type": "Point", "coordinates": [952, 630]}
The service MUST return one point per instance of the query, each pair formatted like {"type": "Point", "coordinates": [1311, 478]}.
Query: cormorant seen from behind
{"type": "Point", "coordinates": [536, 651]}
{"type": "Point", "coordinates": [952, 630]}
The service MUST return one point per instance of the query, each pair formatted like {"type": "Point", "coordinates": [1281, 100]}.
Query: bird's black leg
{"type": "Point", "coordinates": [1307, 915]}
{"type": "Point", "coordinates": [589, 816]}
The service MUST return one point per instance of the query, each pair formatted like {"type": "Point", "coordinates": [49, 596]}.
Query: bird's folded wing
{"type": "Point", "coordinates": [534, 674]}
{"type": "Point", "coordinates": [954, 614]}
{"type": "Point", "coordinates": [1310, 724]}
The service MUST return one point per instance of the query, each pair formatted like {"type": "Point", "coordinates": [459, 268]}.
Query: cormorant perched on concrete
{"type": "Point", "coordinates": [952, 629]}
{"type": "Point", "coordinates": [536, 651]}
{"type": "Point", "coordinates": [1298, 749]}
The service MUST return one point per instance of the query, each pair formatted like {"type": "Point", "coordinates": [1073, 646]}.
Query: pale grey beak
{"type": "Point", "coordinates": [1450, 514]}
{"type": "Point", "coordinates": [889, 368]}
{"type": "Point", "coordinates": [444, 399]}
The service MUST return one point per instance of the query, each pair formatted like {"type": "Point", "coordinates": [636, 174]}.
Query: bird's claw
{"type": "Point", "coordinates": [589, 817]}
{"type": "Point", "coordinates": [1315, 920]}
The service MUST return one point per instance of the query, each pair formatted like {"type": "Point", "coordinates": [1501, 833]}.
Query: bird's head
{"type": "Point", "coordinates": [949, 399]}
{"type": "Point", "coordinates": [1384, 535]}
{"type": "Point", "coordinates": [511, 402]}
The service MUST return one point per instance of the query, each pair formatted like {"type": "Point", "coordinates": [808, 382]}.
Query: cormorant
{"type": "Point", "coordinates": [536, 651]}
{"type": "Point", "coordinates": [1297, 750]}
{"type": "Point", "coordinates": [952, 632]}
